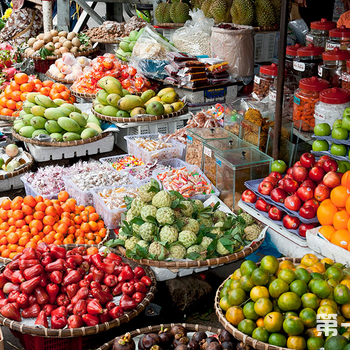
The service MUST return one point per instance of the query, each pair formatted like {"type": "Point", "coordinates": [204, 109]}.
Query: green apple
{"type": "Point", "coordinates": [347, 165]}
{"type": "Point", "coordinates": [346, 119]}
{"type": "Point", "coordinates": [320, 145]}
{"type": "Point", "coordinates": [1, 162]}
{"type": "Point", "coordinates": [342, 167]}
{"type": "Point", "coordinates": [338, 150]}
{"type": "Point", "coordinates": [279, 165]}
{"type": "Point", "coordinates": [337, 123]}
{"type": "Point", "coordinates": [339, 133]}
{"type": "Point", "coordinates": [322, 129]}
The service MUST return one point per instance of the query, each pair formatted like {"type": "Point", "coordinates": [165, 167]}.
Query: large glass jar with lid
{"type": "Point", "coordinates": [291, 53]}
{"type": "Point", "coordinates": [338, 37]}
{"type": "Point", "coordinates": [305, 65]}
{"type": "Point", "coordinates": [264, 80]}
{"type": "Point", "coordinates": [334, 64]}
{"type": "Point", "coordinates": [319, 32]}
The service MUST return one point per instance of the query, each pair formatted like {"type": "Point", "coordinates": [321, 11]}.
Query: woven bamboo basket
{"type": "Point", "coordinates": [106, 41]}
{"type": "Point", "coordinates": [143, 118]}
{"type": "Point", "coordinates": [7, 118]}
{"type": "Point", "coordinates": [89, 97]}
{"type": "Point", "coordinates": [83, 331]}
{"type": "Point", "coordinates": [23, 169]}
{"type": "Point", "coordinates": [197, 263]}
{"type": "Point", "coordinates": [60, 144]}
{"type": "Point", "coordinates": [60, 80]}
{"type": "Point", "coordinates": [255, 344]}
{"type": "Point", "coordinates": [190, 327]}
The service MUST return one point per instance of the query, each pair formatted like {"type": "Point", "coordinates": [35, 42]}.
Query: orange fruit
{"type": "Point", "coordinates": [27, 87]}
{"type": "Point", "coordinates": [16, 95]}
{"type": "Point", "coordinates": [327, 231]}
{"type": "Point", "coordinates": [21, 78]}
{"type": "Point", "coordinates": [340, 220]}
{"type": "Point", "coordinates": [326, 211]}
{"type": "Point", "coordinates": [48, 83]}
{"type": "Point", "coordinates": [341, 238]}
{"type": "Point", "coordinates": [63, 196]}
{"type": "Point", "coordinates": [14, 86]}
{"type": "Point", "coordinates": [29, 200]}
{"type": "Point", "coordinates": [11, 104]}
{"type": "Point", "coordinates": [234, 315]}
{"type": "Point", "coordinates": [339, 195]}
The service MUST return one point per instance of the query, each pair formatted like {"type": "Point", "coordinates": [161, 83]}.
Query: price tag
{"type": "Point", "coordinates": [299, 66]}
{"type": "Point", "coordinates": [320, 71]}
{"type": "Point", "coordinates": [330, 46]}
{"type": "Point", "coordinates": [207, 151]}
{"type": "Point", "coordinates": [309, 38]}
{"type": "Point", "coordinates": [189, 140]}
{"type": "Point", "coordinates": [345, 77]}
{"type": "Point", "coordinates": [318, 115]}
{"type": "Point", "coordinates": [218, 161]}
{"type": "Point", "coordinates": [296, 100]}
{"type": "Point", "coordinates": [257, 79]}
{"type": "Point", "coordinates": [272, 95]}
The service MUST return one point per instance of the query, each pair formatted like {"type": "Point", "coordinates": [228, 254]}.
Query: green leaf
{"type": "Point", "coordinates": [193, 256]}
{"type": "Point", "coordinates": [114, 242]}
{"type": "Point", "coordinates": [227, 243]}
{"type": "Point", "coordinates": [128, 200]}
{"type": "Point", "coordinates": [44, 52]}
{"type": "Point", "coordinates": [175, 203]}
{"type": "Point", "coordinates": [141, 251]}
{"type": "Point", "coordinates": [238, 238]}
{"type": "Point", "coordinates": [152, 220]}
{"type": "Point", "coordinates": [127, 228]}
{"type": "Point", "coordinates": [181, 206]}
{"type": "Point", "coordinates": [84, 39]}
{"type": "Point", "coordinates": [162, 254]}
{"type": "Point", "coordinates": [212, 245]}
{"type": "Point", "coordinates": [180, 224]}
{"type": "Point", "coordinates": [200, 238]}
{"type": "Point", "coordinates": [177, 195]}
{"type": "Point", "coordinates": [137, 220]}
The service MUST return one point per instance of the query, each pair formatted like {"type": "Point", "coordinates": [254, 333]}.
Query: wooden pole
{"type": "Point", "coordinates": [280, 79]}
{"type": "Point", "coordinates": [47, 15]}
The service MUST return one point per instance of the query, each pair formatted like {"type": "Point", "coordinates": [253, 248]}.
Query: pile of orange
{"type": "Point", "coordinates": [12, 98]}
{"type": "Point", "coordinates": [26, 222]}
{"type": "Point", "coordinates": [334, 214]}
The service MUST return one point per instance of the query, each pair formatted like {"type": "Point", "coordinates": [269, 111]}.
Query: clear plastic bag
{"type": "Point", "coordinates": [194, 37]}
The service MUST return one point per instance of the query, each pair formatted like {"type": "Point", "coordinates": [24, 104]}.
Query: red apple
{"type": "Point", "coordinates": [272, 179]}
{"type": "Point", "coordinates": [321, 192]}
{"type": "Point", "coordinates": [297, 163]}
{"type": "Point", "coordinates": [313, 202]}
{"type": "Point", "coordinates": [307, 160]}
{"type": "Point", "coordinates": [290, 185]}
{"type": "Point", "coordinates": [249, 196]}
{"type": "Point", "coordinates": [299, 173]}
{"type": "Point", "coordinates": [278, 195]}
{"type": "Point", "coordinates": [289, 171]}
{"type": "Point", "coordinates": [323, 158]}
{"type": "Point", "coordinates": [262, 205]}
{"type": "Point", "coordinates": [276, 174]}
{"type": "Point", "coordinates": [280, 183]}
{"type": "Point", "coordinates": [291, 222]}
{"type": "Point", "coordinates": [275, 214]}
{"type": "Point", "coordinates": [265, 187]}
{"type": "Point", "coordinates": [305, 193]}
{"type": "Point", "coordinates": [331, 179]}
{"type": "Point", "coordinates": [316, 173]}
{"type": "Point", "coordinates": [303, 228]}
{"type": "Point", "coordinates": [307, 212]}
{"type": "Point", "coordinates": [340, 175]}
{"type": "Point", "coordinates": [309, 183]}
{"type": "Point", "coordinates": [292, 202]}
{"type": "Point", "coordinates": [330, 165]}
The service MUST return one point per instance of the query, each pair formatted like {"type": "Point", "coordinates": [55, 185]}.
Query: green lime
{"type": "Point", "coordinates": [287, 275]}
{"type": "Point", "coordinates": [277, 339]}
{"type": "Point", "coordinates": [293, 325]}
{"type": "Point", "coordinates": [289, 301]}
{"type": "Point", "coordinates": [321, 288]}
{"type": "Point", "coordinates": [315, 343]}
{"type": "Point", "coordinates": [246, 283]}
{"type": "Point", "coordinates": [334, 272]}
{"type": "Point", "coordinates": [263, 306]}
{"type": "Point", "coordinates": [273, 322]}
{"type": "Point", "coordinates": [224, 303]}
{"type": "Point", "coordinates": [317, 276]}
{"type": "Point", "coordinates": [341, 294]}
{"type": "Point", "coordinates": [298, 287]}
{"type": "Point", "coordinates": [236, 296]}
{"type": "Point", "coordinates": [270, 264]}
{"type": "Point", "coordinates": [271, 279]}
{"type": "Point", "coordinates": [261, 334]}
{"type": "Point", "coordinates": [308, 316]}
{"type": "Point", "coordinates": [260, 277]}
{"type": "Point", "coordinates": [248, 267]}
{"type": "Point", "coordinates": [303, 275]}
{"type": "Point", "coordinates": [335, 342]}
{"type": "Point", "coordinates": [290, 313]}
{"type": "Point", "coordinates": [224, 291]}
{"type": "Point", "coordinates": [278, 287]}
{"type": "Point", "coordinates": [248, 311]}
{"type": "Point", "coordinates": [247, 326]}
{"type": "Point", "coordinates": [227, 284]}
{"type": "Point", "coordinates": [310, 300]}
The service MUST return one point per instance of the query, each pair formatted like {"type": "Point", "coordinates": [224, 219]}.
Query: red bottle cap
{"type": "Point", "coordinates": [269, 69]}
{"type": "Point", "coordinates": [334, 96]}
{"type": "Point", "coordinates": [313, 84]}
{"type": "Point", "coordinates": [292, 50]}
{"type": "Point", "coordinates": [341, 32]}
{"type": "Point", "coordinates": [323, 24]}
{"type": "Point", "coordinates": [310, 50]}
{"type": "Point", "coordinates": [336, 55]}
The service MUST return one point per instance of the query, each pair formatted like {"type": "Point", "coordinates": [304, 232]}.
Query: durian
{"type": "Point", "coordinates": [242, 12]}
{"type": "Point", "coordinates": [162, 13]}
{"type": "Point", "coordinates": [206, 4]}
{"type": "Point", "coordinates": [179, 12]}
{"type": "Point", "coordinates": [218, 10]}
{"type": "Point", "coordinates": [264, 13]}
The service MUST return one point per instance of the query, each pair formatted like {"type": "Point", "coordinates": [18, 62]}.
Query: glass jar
{"type": "Point", "coordinates": [264, 80]}
{"type": "Point", "coordinates": [339, 37]}
{"type": "Point", "coordinates": [305, 99]}
{"type": "Point", "coordinates": [291, 53]}
{"type": "Point", "coordinates": [331, 105]}
{"type": "Point", "coordinates": [305, 65]}
{"type": "Point", "coordinates": [334, 64]}
{"type": "Point", "coordinates": [319, 32]}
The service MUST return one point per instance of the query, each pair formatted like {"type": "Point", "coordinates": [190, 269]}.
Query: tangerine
{"type": "Point", "coordinates": [327, 231]}
{"type": "Point", "coordinates": [341, 238]}
{"type": "Point", "coordinates": [325, 212]}
{"type": "Point", "coordinates": [340, 220]}
{"type": "Point", "coordinates": [339, 196]}
{"type": "Point", "coordinates": [234, 315]}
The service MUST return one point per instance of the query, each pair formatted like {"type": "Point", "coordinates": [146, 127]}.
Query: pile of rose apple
{"type": "Point", "coordinates": [73, 288]}
{"type": "Point", "coordinates": [301, 190]}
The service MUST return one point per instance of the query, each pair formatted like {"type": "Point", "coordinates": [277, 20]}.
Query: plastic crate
{"type": "Point", "coordinates": [111, 160]}
{"type": "Point", "coordinates": [190, 167]}
{"type": "Point", "coordinates": [111, 218]}
{"type": "Point", "coordinates": [176, 151]}
{"type": "Point", "coordinates": [30, 191]}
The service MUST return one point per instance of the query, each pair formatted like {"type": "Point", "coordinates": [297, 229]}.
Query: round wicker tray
{"type": "Point", "coordinates": [60, 144]}
{"type": "Point", "coordinates": [197, 263]}
{"type": "Point", "coordinates": [256, 344]}
{"type": "Point", "coordinates": [189, 327]}
{"type": "Point", "coordinates": [90, 97]}
{"type": "Point", "coordinates": [7, 118]}
{"type": "Point", "coordinates": [64, 81]}
{"type": "Point", "coordinates": [23, 169]}
{"type": "Point", "coordinates": [106, 41]}
{"type": "Point", "coordinates": [145, 118]}
{"type": "Point", "coordinates": [83, 53]}
{"type": "Point", "coordinates": [79, 332]}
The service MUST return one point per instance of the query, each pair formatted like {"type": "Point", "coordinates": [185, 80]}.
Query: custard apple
{"type": "Point", "coordinates": [206, 222]}
{"type": "Point", "coordinates": [199, 204]}
{"type": "Point", "coordinates": [177, 251]}
{"type": "Point", "coordinates": [131, 242]}
{"type": "Point", "coordinates": [196, 249]}
{"type": "Point", "coordinates": [191, 225]}
{"type": "Point", "coordinates": [147, 231]}
{"type": "Point", "coordinates": [188, 211]}
{"type": "Point", "coordinates": [148, 210]}
{"type": "Point", "coordinates": [136, 205]}
{"type": "Point", "coordinates": [247, 218]}
{"type": "Point", "coordinates": [144, 194]}
{"type": "Point", "coordinates": [129, 215]}
{"type": "Point", "coordinates": [219, 216]}
{"type": "Point", "coordinates": [161, 199]}
{"type": "Point", "coordinates": [206, 242]}
{"type": "Point", "coordinates": [217, 231]}
{"type": "Point", "coordinates": [157, 250]}
{"type": "Point", "coordinates": [178, 214]}
{"type": "Point", "coordinates": [221, 249]}
{"type": "Point", "coordinates": [143, 244]}
{"type": "Point", "coordinates": [165, 216]}
{"type": "Point", "coordinates": [187, 238]}
{"type": "Point", "coordinates": [135, 228]}
{"type": "Point", "coordinates": [123, 236]}
{"type": "Point", "coordinates": [168, 234]}
{"type": "Point", "coordinates": [252, 232]}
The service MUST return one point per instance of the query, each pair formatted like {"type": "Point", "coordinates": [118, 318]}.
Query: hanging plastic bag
{"type": "Point", "coordinates": [194, 37]}
{"type": "Point", "coordinates": [149, 54]}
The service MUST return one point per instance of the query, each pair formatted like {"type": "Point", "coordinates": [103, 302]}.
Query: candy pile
{"type": "Point", "coordinates": [152, 145]}
{"type": "Point", "coordinates": [114, 198]}
{"type": "Point", "coordinates": [145, 172]}
{"type": "Point", "coordinates": [188, 183]}
{"type": "Point", "coordinates": [127, 162]}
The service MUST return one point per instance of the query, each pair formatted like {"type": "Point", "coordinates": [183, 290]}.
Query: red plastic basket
{"type": "Point", "coordinates": [42, 66]}
{"type": "Point", "coordinates": [39, 343]}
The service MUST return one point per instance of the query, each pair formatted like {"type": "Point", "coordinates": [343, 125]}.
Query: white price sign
{"type": "Point", "coordinates": [299, 66]}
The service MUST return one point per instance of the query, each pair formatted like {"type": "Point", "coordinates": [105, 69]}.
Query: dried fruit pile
{"type": "Point", "coordinates": [73, 288]}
